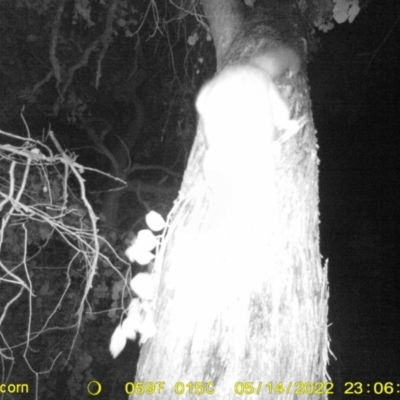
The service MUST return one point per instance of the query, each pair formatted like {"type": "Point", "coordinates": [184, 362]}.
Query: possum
{"type": "Point", "coordinates": [240, 109]}
{"type": "Point", "coordinates": [278, 61]}
{"type": "Point", "coordinates": [254, 80]}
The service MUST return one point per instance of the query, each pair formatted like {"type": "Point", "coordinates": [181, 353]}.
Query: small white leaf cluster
{"type": "Point", "coordinates": [140, 317]}
{"type": "Point", "coordinates": [340, 10]}
{"type": "Point", "coordinates": [345, 10]}
{"type": "Point", "coordinates": [139, 320]}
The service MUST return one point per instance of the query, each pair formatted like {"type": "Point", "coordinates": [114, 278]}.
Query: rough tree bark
{"type": "Point", "coordinates": [242, 294]}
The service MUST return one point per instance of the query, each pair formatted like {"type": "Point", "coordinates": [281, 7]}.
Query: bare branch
{"type": "Point", "coordinates": [106, 38]}
{"type": "Point", "coordinates": [54, 39]}
{"type": "Point", "coordinates": [71, 72]}
{"type": "Point", "coordinates": [82, 239]}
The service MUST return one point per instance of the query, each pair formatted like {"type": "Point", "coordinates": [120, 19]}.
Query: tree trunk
{"type": "Point", "coordinates": [242, 294]}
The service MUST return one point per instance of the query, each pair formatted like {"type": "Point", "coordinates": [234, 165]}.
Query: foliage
{"type": "Point", "coordinates": [50, 256]}
{"type": "Point", "coordinates": [92, 61]}
{"type": "Point", "coordinates": [99, 72]}
{"type": "Point", "coordinates": [140, 312]}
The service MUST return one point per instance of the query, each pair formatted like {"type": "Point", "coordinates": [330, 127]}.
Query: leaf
{"type": "Point", "coordinates": [44, 289]}
{"type": "Point", "coordinates": [155, 221]}
{"type": "Point", "coordinates": [117, 342]}
{"type": "Point", "coordinates": [113, 312]}
{"type": "Point", "coordinates": [121, 22]}
{"type": "Point", "coordinates": [147, 329]}
{"type": "Point", "coordinates": [130, 326]}
{"type": "Point", "coordinates": [91, 317]}
{"type": "Point", "coordinates": [146, 240]}
{"type": "Point", "coordinates": [143, 285]}
{"type": "Point", "coordinates": [353, 12]}
{"type": "Point", "coordinates": [345, 10]}
{"type": "Point", "coordinates": [45, 231]}
{"type": "Point", "coordinates": [117, 289]}
{"type": "Point", "coordinates": [193, 39]}
{"type": "Point", "coordinates": [135, 307]}
{"type": "Point", "coordinates": [136, 253]}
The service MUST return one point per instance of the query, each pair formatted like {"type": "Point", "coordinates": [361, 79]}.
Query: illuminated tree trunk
{"type": "Point", "coordinates": [242, 294]}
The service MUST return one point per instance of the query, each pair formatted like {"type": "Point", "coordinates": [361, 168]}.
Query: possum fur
{"type": "Point", "coordinates": [239, 110]}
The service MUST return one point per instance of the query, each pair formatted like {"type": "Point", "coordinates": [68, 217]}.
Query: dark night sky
{"type": "Point", "coordinates": [355, 84]}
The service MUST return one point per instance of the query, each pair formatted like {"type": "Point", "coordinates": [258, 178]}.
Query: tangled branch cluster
{"type": "Point", "coordinates": [37, 204]}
